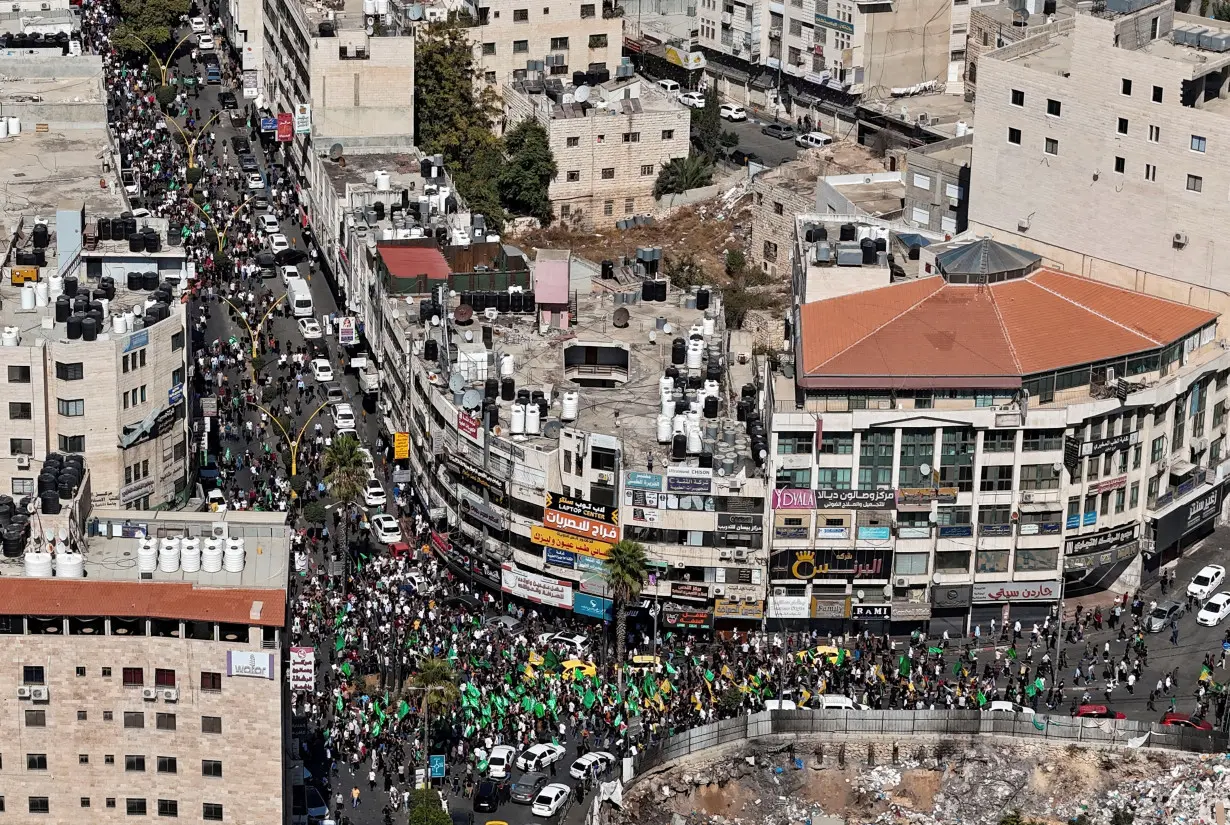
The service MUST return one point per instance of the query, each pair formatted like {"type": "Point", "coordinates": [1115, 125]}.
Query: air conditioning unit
{"type": "Point", "coordinates": [953, 203]}
{"type": "Point", "coordinates": [725, 555]}
{"type": "Point", "coordinates": [605, 478]}
{"type": "Point", "coordinates": [924, 119]}
{"type": "Point", "coordinates": [23, 692]}
{"type": "Point", "coordinates": [170, 694]}
{"type": "Point", "coordinates": [1222, 429]}
{"type": "Point", "coordinates": [1027, 498]}
{"type": "Point", "coordinates": [218, 530]}
{"type": "Point", "coordinates": [719, 591]}
{"type": "Point", "coordinates": [679, 565]}
{"type": "Point", "coordinates": [779, 592]}
{"type": "Point", "coordinates": [740, 555]}
{"type": "Point", "coordinates": [1200, 444]}
{"type": "Point", "coordinates": [901, 582]}
{"type": "Point", "coordinates": [149, 694]}
{"type": "Point", "coordinates": [41, 693]}
{"type": "Point", "coordinates": [23, 462]}
{"type": "Point", "coordinates": [1179, 240]}
{"type": "Point", "coordinates": [17, 7]}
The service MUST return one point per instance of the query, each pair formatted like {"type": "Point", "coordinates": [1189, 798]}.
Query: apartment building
{"type": "Point", "coordinates": [513, 37]}
{"type": "Point", "coordinates": [937, 185]}
{"type": "Point", "coordinates": [609, 144]}
{"type": "Point", "coordinates": [94, 355]}
{"type": "Point", "coordinates": [1058, 436]}
{"type": "Point", "coordinates": [1115, 117]}
{"type": "Point", "coordinates": [993, 25]}
{"type": "Point", "coordinates": [344, 84]}
{"type": "Point", "coordinates": [139, 688]}
{"type": "Point", "coordinates": [243, 22]}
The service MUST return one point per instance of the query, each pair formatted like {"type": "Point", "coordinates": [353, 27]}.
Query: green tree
{"type": "Point", "coordinates": [681, 174]}
{"type": "Point", "coordinates": [425, 808]}
{"type": "Point", "coordinates": [315, 513]}
{"type": "Point", "coordinates": [684, 270]}
{"type": "Point", "coordinates": [735, 262]}
{"type": "Point", "coordinates": [438, 682]}
{"type": "Point", "coordinates": [153, 21]}
{"type": "Point", "coordinates": [708, 129]}
{"type": "Point", "coordinates": [730, 700]}
{"type": "Point", "coordinates": [527, 174]}
{"type": "Point", "coordinates": [626, 565]}
{"type": "Point", "coordinates": [346, 475]}
{"type": "Point", "coordinates": [730, 140]}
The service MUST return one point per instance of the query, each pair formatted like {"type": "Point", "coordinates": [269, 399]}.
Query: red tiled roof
{"type": "Point", "coordinates": [929, 333]}
{"type": "Point", "coordinates": [154, 600]}
{"type": "Point", "coordinates": [414, 261]}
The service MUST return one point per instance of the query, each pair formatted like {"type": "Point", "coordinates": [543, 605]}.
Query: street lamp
{"type": "Point", "coordinates": [293, 443]}
{"type": "Point", "coordinates": [162, 67]}
{"type": "Point", "coordinates": [251, 330]}
{"type": "Point", "coordinates": [191, 144]}
{"type": "Point", "coordinates": [226, 227]}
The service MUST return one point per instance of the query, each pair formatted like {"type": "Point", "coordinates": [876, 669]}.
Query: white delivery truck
{"type": "Point", "coordinates": [299, 297]}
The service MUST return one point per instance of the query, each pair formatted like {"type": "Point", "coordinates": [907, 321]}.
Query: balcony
{"type": "Point", "coordinates": [1200, 476]}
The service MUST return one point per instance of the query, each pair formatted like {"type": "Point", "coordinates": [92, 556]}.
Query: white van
{"type": "Point", "coordinates": [779, 704]}
{"type": "Point", "coordinates": [670, 87]}
{"type": "Point", "coordinates": [812, 140]}
{"type": "Point", "coordinates": [300, 298]}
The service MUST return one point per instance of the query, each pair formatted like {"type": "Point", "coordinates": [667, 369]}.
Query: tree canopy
{"type": "Point", "coordinates": [527, 175]}
{"type": "Point", "coordinates": [153, 21]}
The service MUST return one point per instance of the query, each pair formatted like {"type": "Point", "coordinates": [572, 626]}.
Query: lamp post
{"type": "Point", "coordinates": [191, 144]}
{"type": "Point", "coordinates": [293, 443]}
{"type": "Point", "coordinates": [162, 67]}
{"type": "Point", "coordinates": [226, 227]}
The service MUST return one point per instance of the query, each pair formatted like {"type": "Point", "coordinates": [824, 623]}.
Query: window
{"type": "Point", "coordinates": [36, 718]}
{"type": "Point", "coordinates": [72, 407]}
{"type": "Point", "coordinates": [1053, 107]}
{"type": "Point", "coordinates": [1125, 87]}
{"type": "Point", "coordinates": [587, 10]}
{"type": "Point", "coordinates": [32, 675]}
{"type": "Point", "coordinates": [922, 182]}
{"type": "Point", "coordinates": [646, 169]}
{"type": "Point", "coordinates": [167, 764]}
{"type": "Point", "coordinates": [1155, 133]}
{"type": "Point", "coordinates": [211, 767]}
{"type": "Point", "coordinates": [109, 759]}
{"type": "Point", "coordinates": [1037, 440]}
{"type": "Point", "coordinates": [39, 805]}
{"type": "Point", "coordinates": [629, 205]}
{"type": "Point", "coordinates": [832, 478]}
{"type": "Point", "coordinates": [488, 48]}
{"type": "Point", "coordinates": [999, 441]}
{"type": "Point", "coordinates": [211, 811]}
{"type": "Point", "coordinates": [770, 251]}
{"type": "Point", "coordinates": [211, 681]}
{"type": "Point", "coordinates": [837, 444]}
{"type": "Point", "coordinates": [778, 209]}
{"type": "Point", "coordinates": [668, 134]}
{"type": "Point", "coordinates": [108, 716]}
{"type": "Point", "coordinates": [521, 15]}
{"type": "Point", "coordinates": [1018, 97]}
{"type": "Point", "coordinates": [559, 44]}
{"type": "Point", "coordinates": [177, 341]}
{"type": "Point", "coordinates": [996, 479]}
{"type": "Point", "coordinates": [111, 802]}
{"type": "Point", "coordinates": [81, 715]}
{"type": "Point", "coordinates": [600, 139]}
{"type": "Point", "coordinates": [597, 41]}
{"type": "Point", "coordinates": [83, 759]}
{"type": "Point", "coordinates": [1153, 29]}
{"type": "Point", "coordinates": [134, 677]}
{"type": "Point", "coordinates": [36, 761]}
{"type": "Point", "coordinates": [21, 446]}
{"type": "Point", "coordinates": [211, 724]}
{"type": "Point", "coordinates": [73, 443]}
{"type": "Point", "coordinates": [1150, 172]}
{"type": "Point", "coordinates": [106, 673]}
{"type": "Point", "coordinates": [795, 443]}
{"type": "Point", "coordinates": [608, 173]}
{"type": "Point", "coordinates": [1198, 143]}
{"type": "Point", "coordinates": [1195, 183]}
{"type": "Point", "coordinates": [1039, 477]}
{"type": "Point", "coordinates": [921, 215]}
{"type": "Point", "coordinates": [1156, 449]}
{"type": "Point", "coordinates": [1120, 165]}
{"type": "Point", "coordinates": [163, 677]}
{"type": "Point", "coordinates": [134, 763]}
{"type": "Point", "coordinates": [1051, 147]}
{"type": "Point", "coordinates": [608, 208]}
{"type": "Point", "coordinates": [1014, 136]}
{"type": "Point", "coordinates": [20, 411]}
{"type": "Point", "coordinates": [136, 807]}
{"type": "Point", "coordinates": [19, 375]}
{"type": "Point", "coordinates": [574, 175]}
{"type": "Point", "coordinates": [1123, 126]}
{"type": "Point", "coordinates": [165, 721]}
{"type": "Point", "coordinates": [521, 47]}
{"type": "Point", "coordinates": [85, 802]}
{"type": "Point", "coordinates": [134, 719]}
{"type": "Point", "coordinates": [70, 372]}
{"type": "Point", "coordinates": [168, 807]}
{"type": "Point", "coordinates": [632, 137]}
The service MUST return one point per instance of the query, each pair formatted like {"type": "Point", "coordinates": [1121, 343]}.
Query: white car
{"type": "Point", "coordinates": [1215, 610]}
{"type": "Point", "coordinates": [373, 494]}
{"type": "Point", "coordinates": [322, 370]}
{"type": "Point", "coordinates": [345, 433]}
{"type": "Point", "coordinates": [731, 112]}
{"type": "Point", "coordinates": [343, 416]}
{"type": "Point", "coordinates": [198, 25]}
{"type": "Point", "coordinates": [1207, 580]}
{"type": "Point", "coordinates": [310, 329]}
{"type": "Point", "coordinates": [499, 763]}
{"type": "Point", "coordinates": [537, 757]}
{"type": "Point", "coordinates": [368, 462]}
{"type": "Point", "coordinates": [269, 223]}
{"type": "Point", "coordinates": [255, 181]}
{"type": "Point", "coordinates": [549, 800]}
{"type": "Point", "coordinates": [693, 100]}
{"type": "Point", "coordinates": [385, 530]}
{"type": "Point", "coordinates": [585, 764]}
{"type": "Point", "coordinates": [205, 42]}
{"type": "Point", "coordinates": [812, 140]}
{"type": "Point", "coordinates": [575, 642]}
{"type": "Point", "coordinates": [1010, 707]}
{"type": "Point", "coordinates": [278, 243]}
{"type": "Point", "coordinates": [288, 272]}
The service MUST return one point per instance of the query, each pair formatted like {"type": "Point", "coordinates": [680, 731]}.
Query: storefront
{"type": "Point", "coordinates": [829, 612]}
{"type": "Point", "coordinates": [872, 618]}
{"type": "Point", "coordinates": [1007, 602]}
{"type": "Point", "coordinates": [738, 615]}
{"type": "Point", "coordinates": [1179, 529]}
{"type": "Point", "coordinates": [788, 612]}
{"type": "Point", "coordinates": [907, 617]}
{"type": "Point", "coordinates": [1092, 563]}
{"type": "Point", "coordinates": [950, 604]}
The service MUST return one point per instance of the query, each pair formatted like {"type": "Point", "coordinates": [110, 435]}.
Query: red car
{"type": "Point", "coordinates": [1185, 720]}
{"type": "Point", "coordinates": [1099, 712]}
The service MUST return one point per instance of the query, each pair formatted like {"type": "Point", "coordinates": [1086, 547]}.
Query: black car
{"type": "Point", "coordinates": [742, 157]}
{"type": "Point", "coordinates": [528, 786]}
{"type": "Point", "coordinates": [241, 144]}
{"type": "Point", "coordinates": [227, 101]}
{"type": "Point", "coordinates": [248, 163]}
{"type": "Point", "coordinates": [486, 796]}
{"type": "Point", "coordinates": [461, 817]}
{"type": "Point", "coordinates": [778, 130]}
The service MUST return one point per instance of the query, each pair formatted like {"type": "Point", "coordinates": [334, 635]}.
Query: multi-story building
{"type": "Point", "coordinates": [609, 145]}
{"type": "Point", "coordinates": [137, 687]}
{"type": "Point", "coordinates": [1116, 115]}
{"type": "Point", "coordinates": [560, 38]}
{"type": "Point", "coordinates": [993, 25]}
{"type": "Point", "coordinates": [342, 84]}
{"type": "Point", "coordinates": [981, 443]}
{"type": "Point", "coordinates": [937, 185]}
{"type": "Point", "coordinates": [94, 355]}
{"type": "Point", "coordinates": [243, 22]}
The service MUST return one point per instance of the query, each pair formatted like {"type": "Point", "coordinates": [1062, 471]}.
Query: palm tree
{"type": "Point", "coordinates": [346, 476]}
{"type": "Point", "coordinates": [626, 565]}
{"type": "Point", "coordinates": [681, 174]}
{"type": "Point", "coordinates": [438, 682]}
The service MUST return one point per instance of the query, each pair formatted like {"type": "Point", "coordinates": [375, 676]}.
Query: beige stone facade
{"type": "Point", "coordinates": [575, 36]}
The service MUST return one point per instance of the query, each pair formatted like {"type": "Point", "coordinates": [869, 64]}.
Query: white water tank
{"type": "Point", "coordinates": [168, 555]}
{"type": "Point", "coordinates": [27, 295]}
{"type": "Point", "coordinates": [4, 127]}
{"type": "Point", "coordinates": [369, 7]}
{"type": "Point", "coordinates": [570, 406]}
{"type": "Point", "coordinates": [211, 556]}
{"type": "Point", "coordinates": [507, 366]}
{"type": "Point", "coordinates": [533, 419]}
{"type": "Point", "coordinates": [106, 307]}
{"type": "Point", "coordinates": [147, 556]}
{"type": "Point", "coordinates": [664, 429]}
{"type": "Point", "coordinates": [678, 424]}
{"type": "Point", "coordinates": [56, 285]}
{"type": "Point", "coordinates": [233, 557]}
{"type": "Point", "coordinates": [190, 554]}
{"type": "Point", "coordinates": [518, 418]}
{"type": "Point", "coordinates": [382, 7]}
{"type": "Point", "coordinates": [10, 337]}
{"type": "Point", "coordinates": [383, 180]}
{"type": "Point", "coordinates": [38, 565]}
{"type": "Point", "coordinates": [694, 415]}
{"type": "Point", "coordinates": [708, 327]}
{"type": "Point", "coordinates": [665, 385]}
{"type": "Point", "coordinates": [696, 329]}
{"type": "Point", "coordinates": [668, 404]}
{"type": "Point", "coordinates": [70, 565]}
{"type": "Point", "coordinates": [696, 350]}
{"type": "Point", "coordinates": [711, 388]}
{"type": "Point", "coordinates": [693, 438]}
{"type": "Point", "coordinates": [15, 126]}
{"type": "Point", "coordinates": [41, 293]}
{"type": "Point", "coordinates": [962, 128]}
{"type": "Point", "coordinates": [119, 323]}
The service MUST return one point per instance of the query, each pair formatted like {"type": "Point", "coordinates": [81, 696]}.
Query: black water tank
{"type": "Point", "coordinates": [821, 233]}
{"type": "Point", "coordinates": [491, 388]}
{"type": "Point", "coordinates": [47, 481]}
{"type": "Point", "coordinates": [136, 242]}
{"type": "Point", "coordinates": [537, 395]}
{"type": "Point", "coordinates": [672, 373]}
{"type": "Point", "coordinates": [579, 78]}
{"type": "Point", "coordinates": [50, 502]}
{"type": "Point", "coordinates": [134, 281]}
{"type": "Point", "coordinates": [713, 370]}
{"type": "Point", "coordinates": [493, 416]}
{"type": "Point", "coordinates": [544, 407]}
{"type": "Point", "coordinates": [95, 307]}
{"type": "Point", "coordinates": [531, 306]}
{"type": "Point", "coordinates": [648, 292]}
{"type": "Point", "coordinates": [65, 490]}
{"type": "Point", "coordinates": [679, 447]}
{"type": "Point", "coordinates": [153, 243]}
{"type": "Point", "coordinates": [14, 541]}
{"type": "Point", "coordinates": [508, 389]}
{"type": "Point", "coordinates": [848, 232]}
{"type": "Point", "coordinates": [39, 257]}
{"type": "Point", "coordinates": [478, 300]}
{"type": "Point", "coordinates": [108, 287]}
{"type": "Point", "coordinates": [881, 245]}
{"type": "Point", "coordinates": [74, 327]}
{"type": "Point", "coordinates": [711, 406]}
{"type": "Point", "coordinates": [379, 205]}
{"type": "Point", "coordinates": [467, 298]}
{"type": "Point", "coordinates": [748, 391]}
{"type": "Point", "coordinates": [104, 229]}
{"type": "Point", "coordinates": [89, 329]}
{"type": "Point", "coordinates": [488, 340]}
{"type": "Point", "coordinates": [913, 253]}
{"type": "Point", "coordinates": [70, 285]}
{"type": "Point", "coordinates": [41, 236]}
{"type": "Point", "coordinates": [702, 299]}
{"type": "Point", "coordinates": [149, 281]}
{"type": "Point", "coordinates": [130, 224]}
{"type": "Point", "coordinates": [661, 291]}
{"type": "Point", "coordinates": [608, 270]}
{"type": "Point", "coordinates": [424, 310]}
{"type": "Point", "coordinates": [64, 308]}
{"type": "Point", "coordinates": [706, 459]}
{"type": "Point", "coordinates": [503, 302]}
{"type": "Point", "coordinates": [679, 351]}
{"type": "Point", "coordinates": [869, 251]}
{"type": "Point", "coordinates": [517, 303]}
{"type": "Point", "coordinates": [81, 305]}
{"type": "Point", "coordinates": [431, 350]}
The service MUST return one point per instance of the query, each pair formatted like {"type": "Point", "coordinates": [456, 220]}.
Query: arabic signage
{"type": "Point", "coordinates": [727, 609]}
{"type": "Point", "coordinates": [1098, 542]}
{"type": "Point", "coordinates": [1110, 445]}
{"type": "Point", "coordinates": [176, 394]}
{"type": "Point", "coordinates": [136, 340]}
{"type": "Point", "coordinates": [249, 663]}
{"type": "Point", "coordinates": [440, 542]}
{"type": "Point", "coordinates": [136, 490]}
{"type": "Point", "coordinates": [286, 127]}
{"type": "Point", "coordinates": [920, 498]}
{"type": "Point", "coordinates": [347, 331]}
{"type": "Point", "coordinates": [155, 425]}
{"type": "Point", "coordinates": [856, 499]}
{"type": "Point", "coordinates": [1033, 528]}
{"type": "Point", "coordinates": [560, 558]}
{"type": "Point", "coordinates": [956, 531]}
{"type": "Point", "coordinates": [479, 509]}
{"type": "Point", "coordinates": [595, 607]}
{"type": "Point", "coordinates": [580, 526]}
{"type": "Point", "coordinates": [686, 590]}
{"type": "Point", "coordinates": [1044, 591]}
{"type": "Point", "coordinates": [686, 619]}
{"type": "Point", "coordinates": [788, 607]}
{"type": "Point", "coordinates": [534, 587]}
{"type": "Point", "coordinates": [471, 473]}
{"type": "Point", "coordinates": [303, 119]}
{"type": "Point", "coordinates": [834, 24]}
{"type": "Point", "coordinates": [827, 532]}
{"type": "Point", "coordinates": [643, 481]}
{"type": "Point", "coordinates": [951, 595]}
{"type": "Point", "coordinates": [572, 544]}
{"type": "Point", "coordinates": [401, 446]}
{"type": "Point", "coordinates": [209, 406]}
{"type": "Point", "coordinates": [740, 523]}
{"type": "Point", "coordinates": [303, 668]}
{"type": "Point", "coordinates": [859, 563]}
{"type": "Point", "coordinates": [689, 479]}
{"type": "Point", "coordinates": [1106, 557]}
{"type": "Point", "coordinates": [582, 508]}
{"type": "Point", "coordinates": [644, 498]}
{"type": "Point", "coordinates": [910, 612]}
{"type": "Point", "coordinates": [1189, 517]}
{"type": "Point", "coordinates": [269, 124]}
{"type": "Point", "coordinates": [467, 425]}
{"type": "Point", "coordinates": [1110, 484]}
{"type": "Point", "coordinates": [794, 498]}
{"type": "Point", "coordinates": [822, 608]}
{"type": "Point", "coordinates": [874, 533]}
{"type": "Point", "coordinates": [870, 612]}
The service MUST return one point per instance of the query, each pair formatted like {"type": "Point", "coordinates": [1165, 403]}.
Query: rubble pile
{"type": "Point", "coordinates": [941, 784]}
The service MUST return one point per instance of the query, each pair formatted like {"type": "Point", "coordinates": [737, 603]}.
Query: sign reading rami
{"type": "Point", "coordinates": [249, 663]}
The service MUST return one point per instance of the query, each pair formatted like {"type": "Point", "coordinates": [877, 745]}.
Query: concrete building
{"type": "Point", "coordinates": [1058, 436]}
{"type": "Point", "coordinates": [937, 185]}
{"type": "Point", "coordinates": [1117, 117]}
{"type": "Point", "coordinates": [243, 22]}
{"type": "Point", "coordinates": [513, 37]}
{"type": "Point", "coordinates": [358, 89]}
{"type": "Point", "coordinates": [138, 688]}
{"type": "Point", "coordinates": [993, 25]}
{"type": "Point", "coordinates": [608, 148]}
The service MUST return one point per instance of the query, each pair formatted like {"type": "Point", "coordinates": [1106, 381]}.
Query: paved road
{"type": "Point", "coordinates": [772, 151]}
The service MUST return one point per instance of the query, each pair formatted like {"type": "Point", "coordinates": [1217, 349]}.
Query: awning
{"type": "Point", "coordinates": [1181, 468]}
{"type": "Point", "coordinates": [1041, 507]}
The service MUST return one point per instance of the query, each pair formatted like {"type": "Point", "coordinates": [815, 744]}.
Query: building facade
{"type": "Point", "coordinates": [937, 185]}
{"type": "Point", "coordinates": [512, 37]}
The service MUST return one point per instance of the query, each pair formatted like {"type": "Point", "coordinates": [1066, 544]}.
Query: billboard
{"type": "Point", "coordinates": [534, 587]}
{"type": "Point", "coordinates": [569, 543]}
{"type": "Point", "coordinates": [286, 127]}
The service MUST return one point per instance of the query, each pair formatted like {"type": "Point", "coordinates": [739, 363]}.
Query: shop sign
{"type": "Point", "coordinates": [994, 530]}
{"type": "Point", "coordinates": [1098, 542]}
{"type": "Point", "coordinates": [580, 507]}
{"type": "Point", "coordinates": [401, 446]}
{"type": "Point", "coordinates": [581, 526]}
{"type": "Point", "coordinates": [686, 619]}
{"type": "Point", "coordinates": [874, 533]}
{"type": "Point", "coordinates": [440, 542]}
{"type": "Point", "coordinates": [790, 532]}
{"type": "Point", "coordinates": [175, 394]}
{"type": "Point", "coordinates": [910, 612]}
{"type": "Point", "coordinates": [648, 515]}
{"type": "Point", "coordinates": [794, 499]}
{"type": "Point", "coordinates": [643, 481]}
{"type": "Point", "coordinates": [474, 474]}
{"type": "Point", "coordinates": [1188, 517]}
{"type": "Point", "coordinates": [1111, 484]}
{"type": "Point", "coordinates": [286, 127]}
{"type": "Point", "coordinates": [347, 331]}
{"type": "Point", "coordinates": [727, 609]}
{"type": "Point", "coordinates": [269, 124]}
{"type": "Point", "coordinates": [573, 544]}
{"type": "Point", "coordinates": [534, 587]}
{"type": "Point", "coordinates": [1106, 557]}
{"type": "Point", "coordinates": [870, 612]}
{"type": "Point", "coordinates": [822, 608]}
{"type": "Point", "coordinates": [1043, 591]}
{"type": "Point", "coordinates": [832, 532]}
{"type": "Point", "coordinates": [249, 663]}
{"type": "Point", "coordinates": [855, 499]}
{"type": "Point", "coordinates": [833, 23]}
{"type": "Point", "coordinates": [685, 590]}
{"type": "Point", "coordinates": [134, 491]}
{"type": "Point", "coordinates": [1113, 444]}
{"type": "Point", "coordinates": [951, 595]}
{"type": "Point", "coordinates": [303, 119]}
{"type": "Point", "coordinates": [475, 506]}
{"type": "Point", "coordinates": [644, 498]}
{"type": "Point", "coordinates": [913, 532]}
{"type": "Point", "coordinates": [788, 607]}
{"type": "Point", "coordinates": [209, 406]}
{"type": "Point", "coordinates": [590, 564]}
{"type": "Point", "coordinates": [303, 668]}
{"type": "Point", "coordinates": [956, 531]}
{"type": "Point", "coordinates": [920, 498]}
{"type": "Point", "coordinates": [689, 479]}
{"type": "Point", "coordinates": [856, 563]}
{"type": "Point", "coordinates": [595, 607]}
{"type": "Point", "coordinates": [1033, 528]}
{"type": "Point", "coordinates": [743, 523]}
{"type": "Point", "coordinates": [560, 558]}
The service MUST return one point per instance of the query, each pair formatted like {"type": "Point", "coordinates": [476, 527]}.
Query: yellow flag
{"type": "Point", "coordinates": [726, 672]}
{"type": "Point", "coordinates": [665, 687]}
{"type": "Point", "coordinates": [661, 706]}
{"type": "Point", "coordinates": [696, 701]}
{"type": "Point", "coordinates": [806, 694]}
{"type": "Point", "coordinates": [824, 686]}
{"type": "Point", "coordinates": [529, 674]}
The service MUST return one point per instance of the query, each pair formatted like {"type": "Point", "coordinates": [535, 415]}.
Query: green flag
{"type": "Point", "coordinates": [380, 712]}
{"type": "Point", "coordinates": [935, 651]}
{"type": "Point", "coordinates": [650, 686]}
{"type": "Point", "coordinates": [670, 669]}
{"type": "Point", "coordinates": [1038, 683]}
{"type": "Point", "coordinates": [903, 666]}
{"type": "Point", "coordinates": [403, 710]}
{"type": "Point", "coordinates": [1012, 652]}
{"type": "Point", "coordinates": [340, 704]}
{"type": "Point", "coordinates": [841, 657]}
{"type": "Point", "coordinates": [708, 675]}
{"type": "Point", "coordinates": [340, 645]}
{"type": "Point", "coordinates": [588, 700]}
{"type": "Point", "coordinates": [1040, 725]}
{"type": "Point", "coordinates": [550, 661]}
{"type": "Point", "coordinates": [1031, 691]}
{"type": "Point", "coordinates": [376, 729]}
{"type": "Point", "coordinates": [982, 699]}
{"type": "Point", "coordinates": [347, 669]}
{"type": "Point", "coordinates": [956, 668]}
{"type": "Point", "coordinates": [527, 703]}
{"type": "Point", "coordinates": [540, 710]}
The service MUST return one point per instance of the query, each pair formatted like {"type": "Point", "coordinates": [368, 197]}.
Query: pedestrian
{"type": "Point", "coordinates": [1174, 633]}
{"type": "Point", "coordinates": [354, 796]}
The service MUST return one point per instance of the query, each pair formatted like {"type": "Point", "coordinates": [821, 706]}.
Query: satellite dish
{"type": "Point", "coordinates": [463, 314]}
{"type": "Point", "coordinates": [456, 382]}
{"type": "Point", "coordinates": [667, 329]}
{"type": "Point", "coordinates": [620, 318]}
{"type": "Point", "coordinates": [409, 301]}
{"type": "Point", "coordinates": [581, 94]}
{"type": "Point", "coordinates": [336, 151]}
{"type": "Point", "coordinates": [551, 429]}
{"type": "Point", "coordinates": [1058, 465]}
{"type": "Point", "coordinates": [861, 595]}
{"type": "Point", "coordinates": [924, 469]}
{"type": "Point", "coordinates": [491, 313]}
{"type": "Point", "coordinates": [435, 320]}
{"type": "Point", "coordinates": [471, 399]}
{"type": "Point", "coordinates": [416, 12]}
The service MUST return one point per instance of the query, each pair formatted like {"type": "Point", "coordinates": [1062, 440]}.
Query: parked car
{"type": "Point", "coordinates": [528, 786]}
{"type": "Point", "coordinates": [227, 101]}
{"type": "Point", "coordinates": [322, 370]}
{"type": "Point", "coordinates": [269, 223]}
{"type": "Point", "coordinates": [1159, 618]}
{"type": "Point", "coordinates": [585, 764]}
{"type": "Point", "coordinates": [486, 796]}
{"type": "Point", "coordinates": [742, 157]}
{"type": "Point", "coordinates": [512, 626]}
{"type": "Point", "coordinates": [731, 112]}
{"type": "Point", "coordinates": [550, 799]}
{"type": "Point", "coordinates": [1206, 581]}
{"type": "Point", "coordinates": [247, 163]}
{"type": "Point", "coordinates": [255, 182]}
{"type": "Point", "coordinates": [310, 329]}
{"type": "Point", "coordinates": [693, 100]}
{"type": "Point", "coordinates": [1010, 707]}
{"type": "Point", "coordinates": [669, 86]}
{"type": "Point", "coordinates": [576, 643]}
{"type": "Point", "coordinates": [278, 243]}
{"type": "Point", "coordinates": [373, 494]}
{"type": "Point", "coordinates": [812, 140]}
{"type": "Point", "coordinates": [537, 757]}
{"type": "Point", "coordinates": [385, 530]}
{"type": "Point", "coordinates": [1186, 720]}
{"type": "Point", "coordinates": [499, 762]}
{"type": "Point", "coordinates": [205, 42]}
{"type": "Point", "coordinates": [1215, 610]}
{"type": "Point", "coordinates": [198, 25]}
{"type": "Point", "coordinates": [240, 144]}
{"type": "Point", "coordinates": [343, 416]}
{"type": "Point", "coordinates": [1099, 712]}
{"type": "Point", "coordinates": [777, 130]}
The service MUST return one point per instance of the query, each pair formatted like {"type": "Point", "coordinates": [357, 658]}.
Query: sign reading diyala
{"type": "Point", "coordinates": [249, 663]}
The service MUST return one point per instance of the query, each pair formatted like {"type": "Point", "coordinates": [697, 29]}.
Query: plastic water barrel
{"type": "Point", "coordinates": [190, 555]}
{"type": "Point", "coordinates": [70, 565]}
{"type": "Point", "coordinates": [211, 556]}
{"type": "Point", "coordinates": [533, 419]}
{"type": "Point", "coordinates": [89, 329]}
{"type": "Point", "coordinates": [570, 406]}
{"type": "Point", "coordinates": [664, 429]}
{"type": "Point", "coordinates": [14, 542]}
{"type": "Point", "coordinates": [518, 419]}
{"type": "Point", "coordinates": [711, 406]}
{"type": "Point", "coordinates": [50, 503]}
{"type": "Point", "coordinates": [233, 558]}
{"type": "Point", "coordinates": [679, 446]}
{"type": "Point", "coordinates": [38, 565]}
{"type": "Point", "coordinates": [149, 281]}
{"type": "Point", "coordinates": [431, 350]}
{"type": "Point", "coordinates": [508, 389]}
{"type": "Point", "coordinates": [104, 229]}
{"type": "Point", "coordinates": [702, 299]}
{"type": "Point", "coordinates": [134, 282]}
{"type": "Point", "coordinates": [147, 555]}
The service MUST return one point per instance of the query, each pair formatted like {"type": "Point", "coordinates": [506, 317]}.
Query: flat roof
{"type": "Point", "coordinates": [1004, 14]}
{"type": "Point", "coordinates": [41, 170]}
{"type": "Point", "coordinates": [555, 98]}
{"type": "Point", "coordinates": [403, 169]}
{"type": "Point", "coordinates": [943, 111]}
{"type": "Point", "coordinates": [413, 261]}
{"type": "Point", "coordinates": [881, 197]}
{"type": "Point", "coordinates": [86, 598]}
